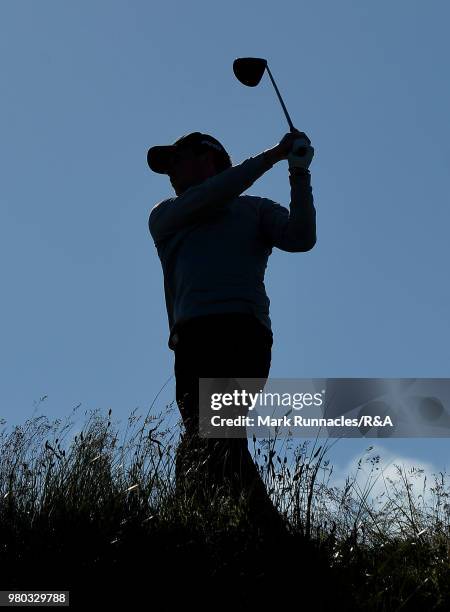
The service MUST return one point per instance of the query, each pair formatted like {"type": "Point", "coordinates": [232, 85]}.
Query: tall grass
{"type": "Point", "coordinates": [97, 513]}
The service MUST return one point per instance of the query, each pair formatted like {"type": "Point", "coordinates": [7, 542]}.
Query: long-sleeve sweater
{"type": "Point", "coordinates": [214, 243]}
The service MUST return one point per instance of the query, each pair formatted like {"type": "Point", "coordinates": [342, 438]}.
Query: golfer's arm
{"type": "Point", "coordinates": [292, 230]}
{"type": "Point", "coordinates": [171, 215]}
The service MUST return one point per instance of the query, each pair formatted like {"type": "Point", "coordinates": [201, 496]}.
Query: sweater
{"type": "Point", "coordinates": [214, 243]}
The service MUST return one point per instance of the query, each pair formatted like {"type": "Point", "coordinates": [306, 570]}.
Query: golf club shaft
{"type": "Point", "coordinates": [302, 150]}
{"type": "Point", "coordinates": [291, 126]}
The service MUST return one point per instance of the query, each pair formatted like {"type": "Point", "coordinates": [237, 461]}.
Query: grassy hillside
{"type": "Point", "coordinates": [98, 516]}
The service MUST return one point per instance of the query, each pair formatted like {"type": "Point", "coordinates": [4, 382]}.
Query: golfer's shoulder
{"type": "Point", "coordinates": [161, 204]}
{"type": "Point", "coordinates": [259, 201]}
{"type": "Point", "coordinates": [252, 199]}
{"type": "Point", "coordinates": [244, 203]}
{"type": "Point", "coordinates": [156, 215]}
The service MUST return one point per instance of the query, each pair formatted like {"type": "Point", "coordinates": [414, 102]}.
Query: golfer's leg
{"type": "Point", "coordinates": [186, 376]}
{"type": "Point", "coordinates": [245, 354]}
{"type": "Point", "coordinates": [197, 356]}
{"type": "Point", "coordinates": [252, 360]}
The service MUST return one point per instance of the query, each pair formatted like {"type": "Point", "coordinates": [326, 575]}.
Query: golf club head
{"type": "Point", "coordinates": [249, 70]}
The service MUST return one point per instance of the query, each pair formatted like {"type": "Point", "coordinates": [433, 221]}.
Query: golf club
{"type": "Point", "coordinates": [249, 71]}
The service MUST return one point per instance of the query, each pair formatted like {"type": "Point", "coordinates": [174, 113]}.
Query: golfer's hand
{"type": "Point", "coordinates": [284, 147]}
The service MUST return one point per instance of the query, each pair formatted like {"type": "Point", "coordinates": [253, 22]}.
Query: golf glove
{"type": "Point", "coordinates": [297, 161]}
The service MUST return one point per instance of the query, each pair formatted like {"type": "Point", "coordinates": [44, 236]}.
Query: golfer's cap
{"type": "Point", "coordinates": [159, 157]}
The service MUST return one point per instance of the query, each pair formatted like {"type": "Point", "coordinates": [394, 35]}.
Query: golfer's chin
{"type": "Point", "coordinates": [182, 187]}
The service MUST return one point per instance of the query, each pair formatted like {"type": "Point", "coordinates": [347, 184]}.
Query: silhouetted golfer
{"type": "Point", "coordinates": [214, 244]}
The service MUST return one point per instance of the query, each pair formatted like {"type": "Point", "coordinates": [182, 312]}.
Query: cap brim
{"type": "Point", "coordinates": [158, 158]}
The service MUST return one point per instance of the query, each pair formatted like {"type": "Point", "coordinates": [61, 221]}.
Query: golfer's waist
{"type": "Point", "coordinates": [220, 321]}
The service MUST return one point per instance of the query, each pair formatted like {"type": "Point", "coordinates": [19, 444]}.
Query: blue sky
{"type": "Point", "coordinates": [87, 87]}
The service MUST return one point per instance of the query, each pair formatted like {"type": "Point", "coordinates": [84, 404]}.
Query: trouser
{"type": "Point", "coordinates": [235, 345]}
